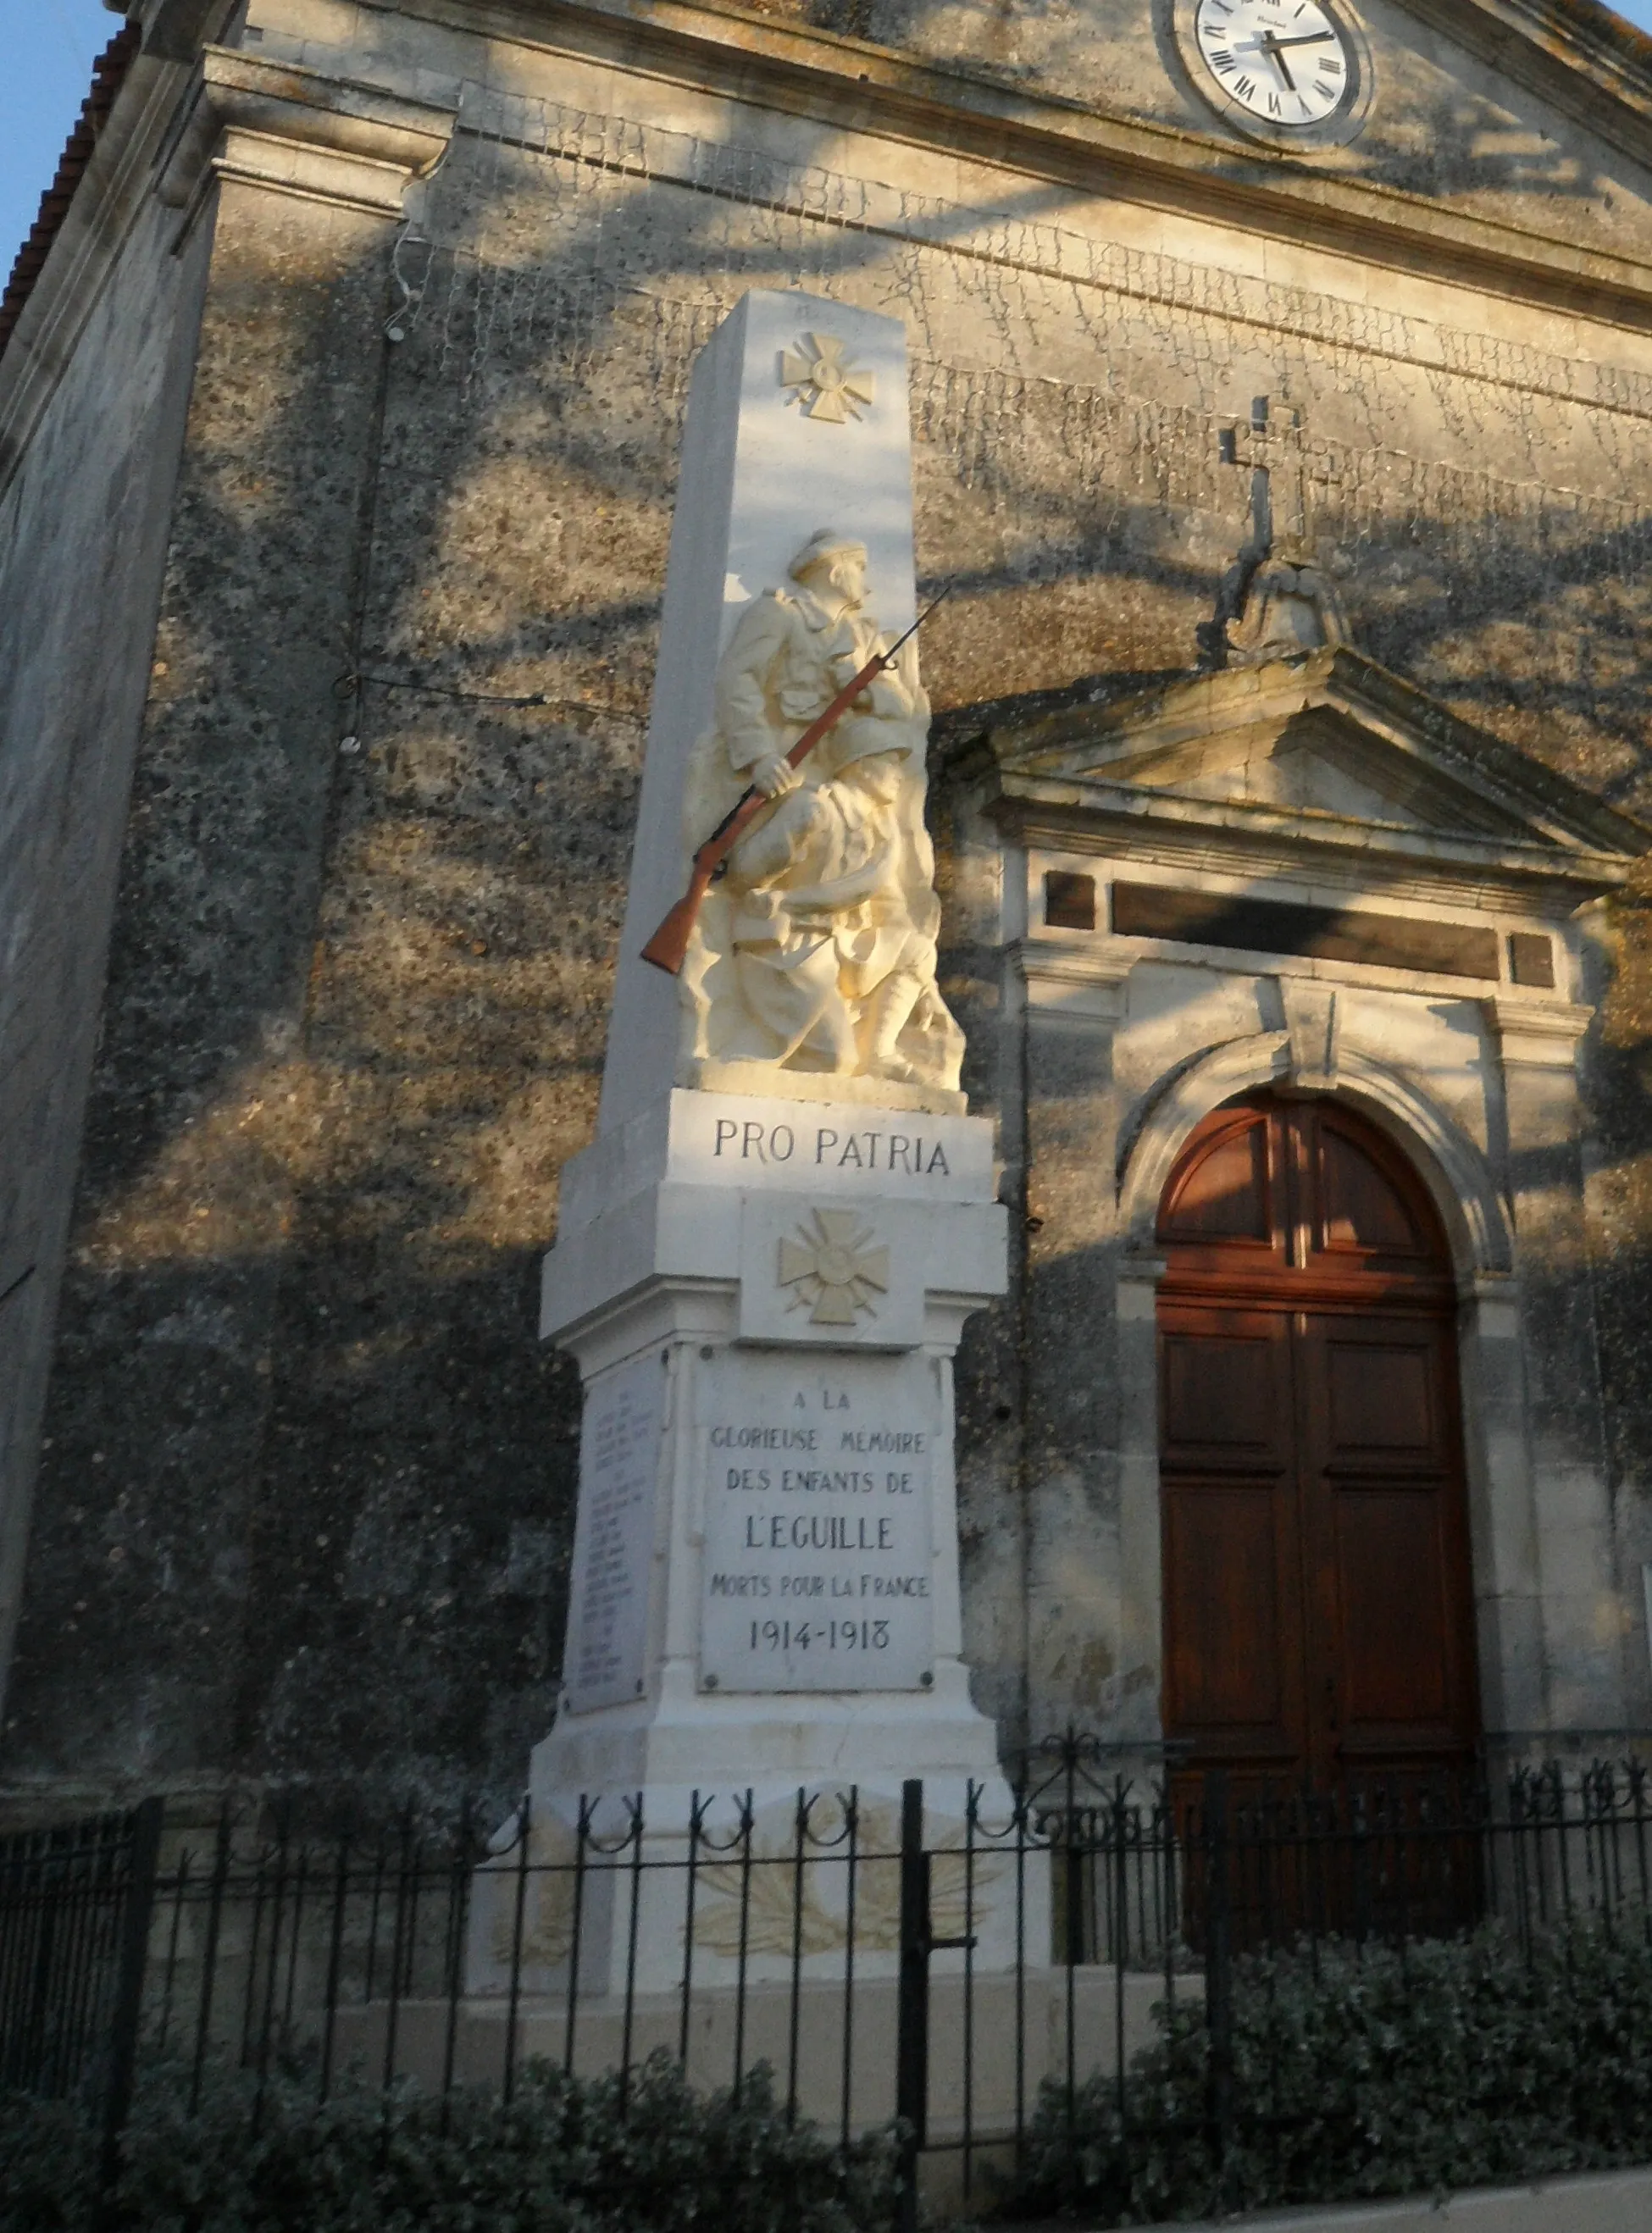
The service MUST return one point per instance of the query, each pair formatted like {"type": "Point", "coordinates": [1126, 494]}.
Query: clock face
{"type": "Point", "coordinates": [1286, 62]}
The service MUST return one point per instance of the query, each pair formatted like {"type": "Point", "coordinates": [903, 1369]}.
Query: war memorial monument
{"type": "Point", "coordinates": [766, 1256]}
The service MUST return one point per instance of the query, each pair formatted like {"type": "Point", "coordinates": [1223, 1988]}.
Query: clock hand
{"type": "Point", "coordinates": [1302, 39]}
{"type": "Point", "coordinates": [1270, 46]}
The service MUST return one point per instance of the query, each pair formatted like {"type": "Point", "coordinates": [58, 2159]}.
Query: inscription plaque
{"type": "Point", "coordinates": [819, 1543]}
{"type": "Point", "coordinates": [1329, 933]}
{"type": "Point", "coordinates": [619, 1474]}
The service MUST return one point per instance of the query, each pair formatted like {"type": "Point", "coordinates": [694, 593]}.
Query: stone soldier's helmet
{"type": "Point", "coordinates": [822, 546]}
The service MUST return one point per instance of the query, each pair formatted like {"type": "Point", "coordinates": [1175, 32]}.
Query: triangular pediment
{"type": "Point", "coordinates": [1310, 759]}
{"type": "Point", "coordinates": [1331, 747]}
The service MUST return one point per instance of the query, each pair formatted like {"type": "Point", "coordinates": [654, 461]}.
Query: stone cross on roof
{"type": "Point", "coordinates": [1274, 448]}
{"type": "Point", "coordinates": [1274, 602]}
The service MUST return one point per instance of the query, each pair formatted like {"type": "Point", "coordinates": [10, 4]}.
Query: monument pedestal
{"type": "Point", "coordinates": [764, 1297]}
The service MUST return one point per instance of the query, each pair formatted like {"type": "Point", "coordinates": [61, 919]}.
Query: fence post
{"type": "Point", "coordinates": [912, 2020]}
{"type": "Point", "coordinates": [1218, 1968]}
{"type": "Point", "coordinates": [126, 2013]}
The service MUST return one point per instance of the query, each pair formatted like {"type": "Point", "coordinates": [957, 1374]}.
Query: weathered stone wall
{"type": "Point", "coordinates": [160, 1393]}
{"type": "Point", "coordinates": [290, 1347]}
{"type": "Point", "coordinates": [82, 536]}
{"type": "Point", "coordinates": [310, 1495]}
{"type": "Point", "coordinates": [1489, 518]}
{"type": "Point", "coordinates": [1447, 124]}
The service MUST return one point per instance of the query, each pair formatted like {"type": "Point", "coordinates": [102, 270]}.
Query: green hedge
{"type": "Point", "coordinates": [1357, 2072]}
{"type": "Point", "coordinates": [560, 2157]}
{"type": "Point", "coordinates": [1367, 2072]}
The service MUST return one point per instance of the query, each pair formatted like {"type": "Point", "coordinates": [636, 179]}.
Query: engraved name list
{"type": "Point", "coordinates": [614, 1541]}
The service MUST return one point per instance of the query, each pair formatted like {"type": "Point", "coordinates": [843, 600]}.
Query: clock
{"type": "Point", "coordinates": [1294, 73]}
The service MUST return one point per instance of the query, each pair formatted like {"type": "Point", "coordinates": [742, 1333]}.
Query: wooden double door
{"type": "Point", "coordinates": [1317, 1606]}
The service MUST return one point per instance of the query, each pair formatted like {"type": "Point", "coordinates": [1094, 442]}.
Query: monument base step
{"type": "Point", "coordinates": [989, 2050]}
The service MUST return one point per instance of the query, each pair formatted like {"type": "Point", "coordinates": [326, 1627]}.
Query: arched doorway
{"type": "Point", "coordinates": [1318, 1621]}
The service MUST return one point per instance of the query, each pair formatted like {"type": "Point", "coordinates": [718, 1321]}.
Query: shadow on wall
{"type": "Point", "coordinates": [308, 1501]}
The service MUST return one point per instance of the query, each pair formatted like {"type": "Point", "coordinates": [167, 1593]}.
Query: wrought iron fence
{"type": "Point", "coordinates": [77, 1904]}
{"type": "Point", "coordinates": [934, 1956]}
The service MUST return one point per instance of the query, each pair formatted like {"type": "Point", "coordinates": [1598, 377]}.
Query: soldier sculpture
{"type": "Point", "coordinates": [817, 951]}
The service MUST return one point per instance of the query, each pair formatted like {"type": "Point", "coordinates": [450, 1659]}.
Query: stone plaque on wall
{"type": "Point", "coordinates": [819, 1551]}
{"type": "Point", "coordinates": [619, 1474]}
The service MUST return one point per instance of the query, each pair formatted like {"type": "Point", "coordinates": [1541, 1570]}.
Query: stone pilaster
{"type": "Point", "coordinates": [1502, 1515]}
{"type": "Point", "coordinates": [1537, 1044]}
{"type": "Point", "coordinates": [1083, 1652]}
{"type": "Point", "coordinates": [204, 1116]}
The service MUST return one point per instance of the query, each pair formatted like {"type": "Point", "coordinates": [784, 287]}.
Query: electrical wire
{"type": "Point", "coordinates": [349, 682]}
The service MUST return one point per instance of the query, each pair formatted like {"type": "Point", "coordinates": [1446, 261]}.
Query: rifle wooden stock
{"type": "Point", "coordinates": [668, 948]}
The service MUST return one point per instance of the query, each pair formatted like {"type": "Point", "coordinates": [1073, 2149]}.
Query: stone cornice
{"type": "Point", "coordinates": [299, 131]}
{"type": "Point", "coordinates": [175, 29]}
{"type": "Point", "coordinates": [1542, 1034]}
{"type": "Point", "coordinates": [854, 85]}
{"type": "Point", "coordinates": [1504, 831]}
{"type": "Point", "coordinates": [1082, 983]}
{"type": "Point", "coordinates": [1588, 64]}
{"type": "Point", "coordinates": [293, 130]}
{"type": "Point", "coordinates": [1582, 57]}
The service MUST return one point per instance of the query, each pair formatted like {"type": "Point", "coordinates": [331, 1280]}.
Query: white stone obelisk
{"type": "Point", "coordinates": [758, 476]}
{"type": "Point", "coordinates": [765, 1289]}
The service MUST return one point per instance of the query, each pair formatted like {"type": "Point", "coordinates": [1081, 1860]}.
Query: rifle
{"type": "Point", "coordinates": [668, 948]}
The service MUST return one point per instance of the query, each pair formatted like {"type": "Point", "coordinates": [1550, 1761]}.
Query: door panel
{"type": "Point", "coordinates": [1359, 1210]}
{"type": "Point", "coordinates": [1233, 1557]}
{"type": "Point", "coordinates": [1378, 1468]}
{"type": "Point", "coordinates": [1381, 1398]}
{"type": "Point", "coordinates": [1225, 1560]}
{"type": "Point", "coordinates": [1392, 1615]}
{"type": "Point", "coordinates": [1223, 1388]}
{"type": "Point", "coordinates": [1224, 1196]}
{"type": "Point", "coordinates": [1318, 1614]}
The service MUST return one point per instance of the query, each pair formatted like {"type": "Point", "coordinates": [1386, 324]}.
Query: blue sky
{"type": "Point", "coordinates": [49, 46]}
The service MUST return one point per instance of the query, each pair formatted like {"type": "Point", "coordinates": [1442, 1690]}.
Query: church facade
{"type": "Point", "coordinates": [1281, 393]}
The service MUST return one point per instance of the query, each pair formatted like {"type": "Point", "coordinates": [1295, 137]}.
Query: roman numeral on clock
{"type": "Point", "coordinates": [1221, 59]}
{"type": "Point", "coordinates": [1245, 88]}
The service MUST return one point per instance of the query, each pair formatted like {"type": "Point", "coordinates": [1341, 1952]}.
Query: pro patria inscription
{"type": "Point", "coordinates": [745, 1140]}
{"type": "Point", "coordinates": [818, 1546]}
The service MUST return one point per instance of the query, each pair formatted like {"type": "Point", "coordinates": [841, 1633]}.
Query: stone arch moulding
{"type": "Point", "coordinates": [1455, 1172]}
